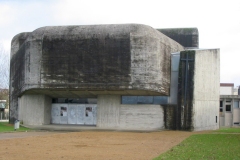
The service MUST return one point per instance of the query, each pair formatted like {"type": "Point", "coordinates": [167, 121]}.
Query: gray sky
{"type": "Point", "coordinates": [218, 21]}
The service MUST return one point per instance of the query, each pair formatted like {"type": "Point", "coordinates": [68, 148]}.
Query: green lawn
{"type": "Point", "coordinates": [219, 145]}
{"type": "Point", "coordinates": [6, 127]}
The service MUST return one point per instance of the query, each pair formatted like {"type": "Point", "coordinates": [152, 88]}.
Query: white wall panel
{"type": "Point", "coordinates": [55, 114]}
{"type": "Point", "coordinates": [80, 113]}
{"type": "Point", "coordinates": [228, 119]}
{"type": "Point", "coordinates": [236, 115]}
{"type": "Point", "coordinates": [72, 114]}
{"type": "Point", "coordinates": [206, 89]}
{"type": "Point", "coordinates": [226, 90]}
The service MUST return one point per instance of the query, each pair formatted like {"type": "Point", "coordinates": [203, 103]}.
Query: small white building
{"type": "Point", "coordinates": [229, 105]}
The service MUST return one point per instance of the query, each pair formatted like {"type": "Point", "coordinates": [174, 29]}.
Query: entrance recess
{"type": "Point", "coordinates": [84, 114]}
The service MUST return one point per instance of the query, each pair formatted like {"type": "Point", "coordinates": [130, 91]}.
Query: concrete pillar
{"type": "Point", "coordinates": [35, 109]}
{"type": "Point", "coordinates": [206, 89]}
{"type": "Point", "coordinates": [108, 111]}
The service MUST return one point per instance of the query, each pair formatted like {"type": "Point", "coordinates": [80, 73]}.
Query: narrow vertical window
{"type": "Point", "coordinates": [228, 108]}
{"type": "Point", "coordinates": [221, 106]}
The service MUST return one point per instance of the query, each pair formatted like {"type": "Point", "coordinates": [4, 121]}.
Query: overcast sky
{"type": "Point", "coordinates": [218, 21]}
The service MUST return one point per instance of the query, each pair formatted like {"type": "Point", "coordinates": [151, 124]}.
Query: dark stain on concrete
{"type": "Point", "coordinates": [185, 92]}
{"type": "Point", "coordinates": [17, 79]}
{"type": "Point", "coordinates": [169, 116]}
{"type": "Point", "coordinates": [81, 60]}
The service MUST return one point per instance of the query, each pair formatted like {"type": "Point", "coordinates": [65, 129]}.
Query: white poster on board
{"type": "Point", "coordinates": [89, 115]}
{"type": "Point", "coordinates": [63, 113]}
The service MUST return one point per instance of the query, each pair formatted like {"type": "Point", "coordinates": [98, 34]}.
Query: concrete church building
{"type": "Point", "coordinates": [126, 76]}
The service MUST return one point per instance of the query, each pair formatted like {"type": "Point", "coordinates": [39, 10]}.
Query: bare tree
{"type": "Point", "coordinates": [4, 74]}
{"type": "Point", "coordinates": [4, 68]}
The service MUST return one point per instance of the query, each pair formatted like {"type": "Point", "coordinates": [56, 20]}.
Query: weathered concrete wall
{"type": "Point", "coordinates": [111, 113]}
{"type": "Point", "coordinates": [148, 67]}
{"type": "Point", "coordinates": [108, 107]}
{"type": "Point", "coordinates": [47, 109]}
{"type": "Point", "coordinates": [170, 110]}
{"type": "Point", "coordinates": [141, 117]}
{"type": "Point", "coordinates": [206, 89]}
{"type": "Point", "coordinates": [16, 74]}
{"type": "Point", "coordinates": [228, 119]}
{"type": "Point", "coordinates": [185, 91]}
{"type": "Point", "coordinates": [24, 69]}
{"type": "Point", "coordinates": [198, 96]}
{"type": "Point", "coordinates": [236, 115]}
{"type": "Point", "coordinates": [187, 37]}
{"type": "Point", "coordinates": [132, 59]}
{"type": "Point", "coordinates": [35, 109]}
{"type": "Point", "coordinates": [170, 116]}
{"type": "Point", "coordinates": [221, 121]}
{"type": "Point", "coordinates": [98, 57]}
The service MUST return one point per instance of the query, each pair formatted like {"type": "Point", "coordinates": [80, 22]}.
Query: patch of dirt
{"type": "Point", "coordinates": [91, 145]}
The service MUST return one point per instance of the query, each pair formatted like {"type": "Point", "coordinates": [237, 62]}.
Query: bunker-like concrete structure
{"type": "Point", "coordinates": [126, 76]}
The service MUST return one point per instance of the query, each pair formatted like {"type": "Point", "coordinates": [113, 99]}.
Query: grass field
{"type": "Point", "coordinates": [221, 144]}
{"type": "Point", "coordinates": [228, 130]}
{"type": "Point", "coordinates": [6, 127]}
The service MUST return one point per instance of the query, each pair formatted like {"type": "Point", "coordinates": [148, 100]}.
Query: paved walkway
{"type": "Point", "coordinates": [11, 135]}
{"type": "Point", "coordinates": [78, 128]}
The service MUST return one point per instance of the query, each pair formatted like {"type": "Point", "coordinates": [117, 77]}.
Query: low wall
{"type": "Point", "coordinates": [111, 113]}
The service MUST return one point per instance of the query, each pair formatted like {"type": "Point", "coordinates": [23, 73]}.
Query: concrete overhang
{"type": "Point", "coordinates": [63, 93]}
{"type": "Point", "coordinates": [130, 57]}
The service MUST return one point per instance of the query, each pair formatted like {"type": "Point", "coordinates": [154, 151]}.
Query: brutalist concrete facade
{"type": "Point", "coordinates": [198, 90]}
{"type": "Point", "coordinates": [101, 61]}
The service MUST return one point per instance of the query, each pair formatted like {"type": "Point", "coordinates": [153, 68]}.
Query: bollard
{"type": "Point", "coordinates": [16, 124]}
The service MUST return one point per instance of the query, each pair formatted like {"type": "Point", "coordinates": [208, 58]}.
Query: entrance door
{"type": "Point", "coordinates": [55, 114]}
{"type": "Point", "coordinates": [72, 114]}
{"type": "Point", "coordinates": [59, 114]}
{"type": "Point", "coordinates": [76, 113]}
{"type": "Point", "coordinates": [90, 112]}
{"type": "Point", "coordinates": [84, 114]}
